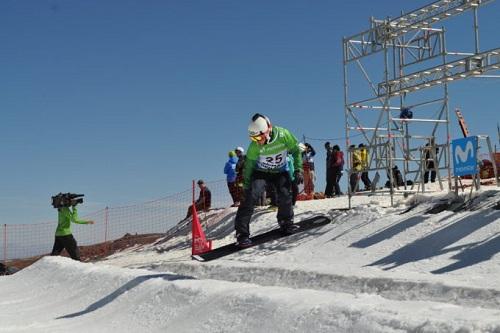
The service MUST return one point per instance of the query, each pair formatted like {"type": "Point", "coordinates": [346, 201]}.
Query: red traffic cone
{"type": "Point", "coordinates": [199, 242]}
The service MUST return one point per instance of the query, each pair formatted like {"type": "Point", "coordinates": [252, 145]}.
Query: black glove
{"type": "Point", "coordinates": [299, 176]}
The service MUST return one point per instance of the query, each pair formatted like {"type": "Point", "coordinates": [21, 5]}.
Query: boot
{"type": "Point", "coordinates": [288, 228]}
{"type": "Point", "coordinates": [243, 242]}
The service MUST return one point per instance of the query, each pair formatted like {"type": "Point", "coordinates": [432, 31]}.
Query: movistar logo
{"type": "Point", "coordinates": [462, 155]}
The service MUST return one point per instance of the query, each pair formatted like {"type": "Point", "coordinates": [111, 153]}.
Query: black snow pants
{"type": "Point", "coordinates": [67, 242]}
{"type": "Point", "coordinates": [282, 184]}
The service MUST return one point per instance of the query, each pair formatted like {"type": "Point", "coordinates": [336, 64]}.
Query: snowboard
{"type": "Point", "coordinates": [307, 224]}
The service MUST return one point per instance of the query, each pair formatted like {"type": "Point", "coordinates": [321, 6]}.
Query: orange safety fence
{"type": "Point", "coordinates": [20, 241]}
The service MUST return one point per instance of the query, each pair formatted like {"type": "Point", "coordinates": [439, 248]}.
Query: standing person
{"type": "Point", "coordinates": [363, 153]}
{"type": "Point", "coordinates": [240, 153]}
{"type": "Point", "coordinates": [337, 162]}
{"type": "Point", "coordinates": [329, 172]}
{"type": "Point", "coordinates": [204, 200]}
{"type": "Point", "coordinates": [356, 168]}
{"type": "Point", "coordinates": [328, 150]}
{"type": "Point", "coordinates": [396, 176]}
{"type": "Point", "coordinates": [308, 165]}
{"type": "Point", "coordinates": [429, 164]}
{"type": "Point", "coordinates": [64, 237]}
{"type": "Point", "coordinates": [230, 171]}
{"type": "Point", "coordinates": [266, 162]}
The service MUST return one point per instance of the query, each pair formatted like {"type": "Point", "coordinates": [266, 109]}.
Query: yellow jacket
{"type": "Point", "coordinates": [364, 158]}
{"type": "Point", "coordinates": [356, 160]}
{"type": "Point", "coordinates": [360, 159]}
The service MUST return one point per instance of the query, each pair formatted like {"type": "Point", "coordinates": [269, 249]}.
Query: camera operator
{"type": "Point", "coordinates": [64, 238]}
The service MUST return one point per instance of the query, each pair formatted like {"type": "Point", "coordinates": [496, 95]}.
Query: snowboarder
{"type": "Point", "coordinates": [266, 161]}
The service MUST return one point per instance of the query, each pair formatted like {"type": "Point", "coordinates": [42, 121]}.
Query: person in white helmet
{"type": "Point", "coordinates": [266, 161]}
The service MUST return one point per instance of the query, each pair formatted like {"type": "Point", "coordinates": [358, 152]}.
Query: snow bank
{"type": "Point", "coordinates": [427, 264]}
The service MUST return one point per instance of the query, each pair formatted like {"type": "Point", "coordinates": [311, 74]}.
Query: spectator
{"type": "Point", "coordinates": [64, 237]}
{"type": "Point", "coordinates": [240, 153]}
{"type": "Point", "coordinates": [329, 171]}
{"type": "Point", "coordinates": [396, 176]}
{"type": "Point", "coordinates": [365, 165]}
{"type": "Point", "coordinates": [356, 168]}
{"type": "Point", "coordinates": [328, 149]}
{"type": "Point", "coordinates": [308, 165]}
{"type": "Point", "coordinates": [334, 171]}
{"type": "Point", "coordinates": [230, 171]}
{"type": "Point", "coordinates": [266, 162]}
{"type": "Point", "coordinates": [429, 163]}
{"type": "Point", "coordinates": [204, 199]}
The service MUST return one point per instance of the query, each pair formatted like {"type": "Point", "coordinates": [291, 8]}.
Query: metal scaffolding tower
{"type": "Point", "coordinates": [396, 77]}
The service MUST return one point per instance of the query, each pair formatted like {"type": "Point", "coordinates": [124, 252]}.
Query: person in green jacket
{"type": "Point", "coordinates": [64, 237]}
{"type": "Point", "coordinates": [266, 161]}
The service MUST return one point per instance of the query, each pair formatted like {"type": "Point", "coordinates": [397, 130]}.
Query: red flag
{"type": "Point", "coordinates": [199, 242]}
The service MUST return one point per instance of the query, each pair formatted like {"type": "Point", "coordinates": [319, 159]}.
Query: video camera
{"type": "Point", "coordinates": [66, 200]}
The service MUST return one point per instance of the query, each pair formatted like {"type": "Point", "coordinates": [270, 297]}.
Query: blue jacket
{"type": "Point", "coordinates": [230, 169]}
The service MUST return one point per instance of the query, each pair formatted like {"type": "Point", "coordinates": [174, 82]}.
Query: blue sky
{"type": "Point", "coordinates": [127, 101]}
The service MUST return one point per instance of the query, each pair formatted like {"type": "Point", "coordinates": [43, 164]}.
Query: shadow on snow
{"type": "Point", "coordinates": [126, 287]}
{"type": "Point", "coordinates": [436, 244]}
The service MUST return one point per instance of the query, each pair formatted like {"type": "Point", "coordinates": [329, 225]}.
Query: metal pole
{"type": "Point", "coordinates": [476, 30]}
{"type": "Point", "coordinates": [447, 110]}
{"type": "Point", "coordinates": [106, 218]}
{"type": "Point", "coordinates": [406, 137]}
{"type": "Point", "coordinates": [5, 244]}
{"type": "Point", "coordinates": [389, 131]}
{"type": "Point", "coordinates": [493, 160]}
{"type": "Point", "coordinates": [346, 116]}
{"type": "Point", "coordinates": [498, 133]}
{"type": "Point", "coordinates": [193, 190]}
{"type": "Point", "coordinates": [423, 165]}
{"type": "Point", "coordinates": [477, 177]}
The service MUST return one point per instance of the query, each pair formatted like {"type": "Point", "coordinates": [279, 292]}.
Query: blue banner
{"type": "Point", "coordinates": [464, 154]}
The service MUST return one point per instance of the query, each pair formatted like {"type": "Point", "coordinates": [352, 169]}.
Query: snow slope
{"type": "Point", "coordinates": [415, 267]}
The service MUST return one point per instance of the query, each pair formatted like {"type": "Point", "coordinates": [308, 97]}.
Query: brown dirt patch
{"type": "Point", "coordinates": [95, 252]}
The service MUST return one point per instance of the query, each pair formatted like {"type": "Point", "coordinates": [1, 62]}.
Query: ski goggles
{"type": "Point", "coordinates": [260, 136]}
{"type": "Point", "coordinates": [257, 138]}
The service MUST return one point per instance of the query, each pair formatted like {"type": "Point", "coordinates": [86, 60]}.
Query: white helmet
{"type": "Point", "coordinates": [240, 149]}
{"type": "Point", "coordinates": [260, 125]}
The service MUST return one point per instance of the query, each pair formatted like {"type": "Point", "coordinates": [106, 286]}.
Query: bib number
{"type": "Point", "coordinates": [277, 161]}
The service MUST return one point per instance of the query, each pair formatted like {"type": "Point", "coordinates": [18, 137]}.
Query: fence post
{"type": "Point", "coordinates": [5, 244]}
{"type": "Point", "coordinates": [106, 215]}
{"type": "Point", "coordinates": [192, 186]}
